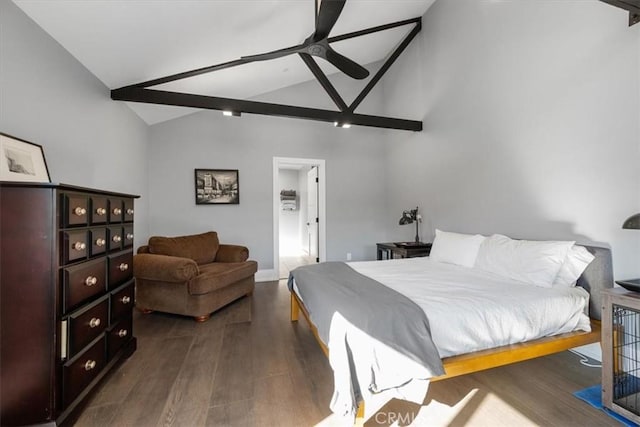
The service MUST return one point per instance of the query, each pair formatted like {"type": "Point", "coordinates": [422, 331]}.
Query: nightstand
{"type": "Point", "coordinates": [402, 250]}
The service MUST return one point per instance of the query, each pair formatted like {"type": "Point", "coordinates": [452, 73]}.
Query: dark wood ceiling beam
{"type": "Point", "coordinates": [191, 73]}
{"type": "Point", "coordinates": [324, 81]}
{"type": "Point", "coordinates": [633, 6]}
{"type": "Point", "coordinates": [152, 96]}
{"type": "Point", "coordinates": [235, 63]}
{"type": "Point", "coordinates": [396, 53]}
{"type": "Point", "coordinates": [373, 30]}
{"type": "Point", "coordinates": [140, 92]}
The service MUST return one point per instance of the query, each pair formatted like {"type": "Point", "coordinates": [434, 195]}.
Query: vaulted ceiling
{"type": "Point", "coordinates": [126, 42]}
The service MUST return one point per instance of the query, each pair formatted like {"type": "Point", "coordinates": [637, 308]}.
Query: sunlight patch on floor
{"type": "Point", "coordinates": [473, 410]}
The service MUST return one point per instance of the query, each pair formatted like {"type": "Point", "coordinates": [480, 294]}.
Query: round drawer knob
{"type": "Point", "coordinates": [79, 246]}
{"type": "Point", "coordinates": [80, 211]}
{"type": "Point", "coordinates": [129, 211]}
{"type": "Point", "coordinates": [123, 267]}
{"type": "Point", "coordinates": [101, 211]}
{"type": "Point", "coordinates": [94, 322]}
{"type": "Point", "coordinates": [116, 238]}
{"type": "Point", "coordinates": [90, 281]}
{"type": "Point", "coordinates": [117, 211]}
{"type": "Point", "coordinates": [100, 242]}
{"type": "Point", "coordinates": [122, 333]}
{"type": "Point", "coordinates": [129, 236]}
{"type": "Point", "coordinates": [126, 300]}
{"type": "Point", "coordinates": [89, 365]}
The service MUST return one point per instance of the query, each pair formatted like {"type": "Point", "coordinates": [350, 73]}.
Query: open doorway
{"type": "Point", "coordinates": [299, 237]}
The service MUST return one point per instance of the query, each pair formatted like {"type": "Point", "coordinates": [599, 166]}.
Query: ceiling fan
{"type": "Point", "coordinates": [317, 44]}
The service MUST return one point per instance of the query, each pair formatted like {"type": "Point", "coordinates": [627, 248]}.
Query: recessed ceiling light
{"type": "Point", "coordinates": [342, 125]}
{"type": "Point", "coordinates": [231, 113]}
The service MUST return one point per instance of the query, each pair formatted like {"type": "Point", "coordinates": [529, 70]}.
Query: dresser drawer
{"type": "Point", "coordinates": [81, 371]}
{"type": "Point", "coordinates": [118, 336]}
{"type": "Point", "coordinates": [128, 210]}
{"type": "Point", "coordinates": [86, 325]}
{"type": "Point", "coordinates": [116, 210]}
{"type": "Point", "coordinates": [127, 236]}
{"type": "Point", "coordinates": [99, 210]}
{"type": "Point", "coordinates": [122, 302]}
{"type": "Point", "coordinates": [84, 281]}
{"type": "Point", "coordinates": [75, 210]}
{"type": "Point", "coordinates": [98, 238]}
{"type": "Point", "coordinates": [115, 239]}
{"type": "Point", "coordinates": [120, 269]}
{"type": "Point", "coordinates": [74, 246]}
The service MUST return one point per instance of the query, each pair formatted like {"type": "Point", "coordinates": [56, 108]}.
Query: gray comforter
{"type": "Point", "coordinates": [377, 338]}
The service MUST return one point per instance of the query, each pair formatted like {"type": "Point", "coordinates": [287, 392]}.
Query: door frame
{"type": "Point", "coordinates": [322, 210]}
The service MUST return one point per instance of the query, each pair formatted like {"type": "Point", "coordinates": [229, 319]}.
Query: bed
{"type": "Point", "coordinates": [392, 344]}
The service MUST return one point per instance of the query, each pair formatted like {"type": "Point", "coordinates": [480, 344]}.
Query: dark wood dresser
{"type": "Point", "coordinates": [66, 296]}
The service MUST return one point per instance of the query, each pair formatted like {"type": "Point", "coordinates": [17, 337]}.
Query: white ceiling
{"type": "Point", "coordinates": [123, 42]}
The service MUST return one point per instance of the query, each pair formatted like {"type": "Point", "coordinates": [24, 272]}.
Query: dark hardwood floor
{"type": "Point", "coordinates": [250, 366]}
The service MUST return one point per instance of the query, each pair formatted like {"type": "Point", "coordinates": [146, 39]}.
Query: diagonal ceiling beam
{"type": "Point", "coordinates": [324, 81]}
{"type": "Point", "coordinates": [388, 63]}
{"type": "Point", "coordinates": [373, 30]}
{"type": "Point", "coordinates": [190, 73]}
{"type": "Point", "coordinates": [633, 6]}
{"type": "Point", "coordinates": [234, 63]}
{"type": "Point", "coordinates": [152, 96]}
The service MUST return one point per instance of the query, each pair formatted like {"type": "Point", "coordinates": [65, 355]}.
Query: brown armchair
{"type": "Point", "coordinates": [191, 275]}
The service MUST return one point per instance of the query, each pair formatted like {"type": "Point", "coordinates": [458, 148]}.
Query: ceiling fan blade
{"type": "Point", "coordinates": [346, 65]}
{"type": "Point", "coordinates": [328, 14]}
{"type": "Point", "coordinates": [273, 54]}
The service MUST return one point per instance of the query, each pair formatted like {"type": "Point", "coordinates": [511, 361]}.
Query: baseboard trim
{"type": "Point", "coordinates": [266, 276]}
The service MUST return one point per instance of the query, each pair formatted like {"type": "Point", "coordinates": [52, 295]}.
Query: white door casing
{"type": "Point", "coordinates": [312, 211]}
{"type": "Point", "coordinates": [322, 220]}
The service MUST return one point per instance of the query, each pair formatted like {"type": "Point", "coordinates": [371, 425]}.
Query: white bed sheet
{"type": "Point", "coordinates": [471, 310]}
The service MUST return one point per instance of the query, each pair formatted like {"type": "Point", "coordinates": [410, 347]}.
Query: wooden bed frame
{"type": "Point", "coordinates": [597, 277]}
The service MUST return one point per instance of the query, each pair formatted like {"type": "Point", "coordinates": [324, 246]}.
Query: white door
{"type": "Point", "coordinates": [312, 212]}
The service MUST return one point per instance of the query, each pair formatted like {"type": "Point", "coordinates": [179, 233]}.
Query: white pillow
{"type": "Point", "coordinates": [533, 262]}
{"type": "Point", "coordinates": [455, 248]}
{"type": "Point", "coordinates": [574, 265]}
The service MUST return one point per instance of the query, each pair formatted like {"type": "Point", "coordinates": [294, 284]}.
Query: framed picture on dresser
{"type": "Point", "coordinates": [217, 186]}
{"type": "Point", "coordinates": [21, 160]}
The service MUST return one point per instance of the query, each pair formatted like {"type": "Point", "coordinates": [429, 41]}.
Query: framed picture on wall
{"type": "Point", "coordinates": [22, 161]}
{"type": "Point", "coordinates": [217, 187]}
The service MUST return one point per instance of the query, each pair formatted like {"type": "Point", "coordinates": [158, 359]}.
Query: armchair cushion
{"type": "Point", "coordinates": [202, 248]}
{"type": "Point", "coordinates": [164, 268]}
{"type": "Point", "coordinates": [220, 274]}
{"type": "Point", "coordinates": [232, 253]}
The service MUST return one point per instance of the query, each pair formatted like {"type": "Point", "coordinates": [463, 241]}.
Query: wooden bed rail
{"type": "Point", "coordinates": [480, 360]}
{"type": "Point", "coordinates": [296, 308]}
{"type": "Point", "coordinates": [508, 354]}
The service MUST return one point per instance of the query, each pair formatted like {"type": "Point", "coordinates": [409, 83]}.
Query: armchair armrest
{"type": "Point", "coordinates": [164, 268]}
{"type": "Point", "coordinates": [232, 253]}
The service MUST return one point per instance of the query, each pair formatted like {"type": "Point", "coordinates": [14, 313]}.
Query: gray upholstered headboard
{"type": "Point", "coordinates": [597, 277]}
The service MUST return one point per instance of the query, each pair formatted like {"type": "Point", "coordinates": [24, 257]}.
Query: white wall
{"type": "Point", "coordinates": [49, 98]}
{"type": "Point", "coordinates": [531, 123]}
{"type": "Point", "coordinates": [289, 220]}
{"type": "Point", "coordinates": [354, 168]}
